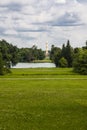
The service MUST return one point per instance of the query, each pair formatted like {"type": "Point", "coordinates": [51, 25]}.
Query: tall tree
{"type": "Point", "coordinates": [9, 52]}
{"type": "Point", "coordinates": [69, 54]}
{"type": "Point", "coordinates": [55, 55]}
{"type": "Point", "coordinates": [80, 62]}
{"type": "Point", "coordinates": [1, 65]}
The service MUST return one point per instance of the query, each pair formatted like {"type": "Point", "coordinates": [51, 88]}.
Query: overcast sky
{"type": "Point", "coordinates": [28, 22]}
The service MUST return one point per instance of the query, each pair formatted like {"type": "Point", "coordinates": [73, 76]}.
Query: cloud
{"type": "Point", "coordinates": [68, 19]}
{"type": "Point", "coordinates": [82, 1]}
{"type": "Point", "coordinates": [31, 30]}
{"type": "Point", "coordinates": [31, 21]}
{"type": "Point", "coordinates": [12, 6]}
{"type": "Point", "coordinates": [10, 32]}
{"type": "Point", "coordinates": [60, 1]}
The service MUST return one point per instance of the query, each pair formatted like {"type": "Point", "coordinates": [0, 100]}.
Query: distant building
{"type": "Point", "coordinates": [47, 53]}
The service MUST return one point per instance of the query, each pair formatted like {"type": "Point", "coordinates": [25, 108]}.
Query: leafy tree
{"type": "Point", "coordinates": [69, 54]}
{"type": "Point", "coordinates": [63, 51]}
{"type": "Point", "coordinates": [76, 50]}
{"type": "Point", "coordinates": [41, 54]}
{"type": "Point", "coordinates": [55, 55]}
{"type": "Point", "coordinates": [80, 62]}
{"type": "Point", "coordinates": [52, 52]}
{"type": "Point", "coordinates": [9, 53]}
{"type": "Point", "coordinates": [30, 54]}
{"type": "Point", "coordinates": [1, 65]}
{"type": "Point", "coordinates": [63, 63]}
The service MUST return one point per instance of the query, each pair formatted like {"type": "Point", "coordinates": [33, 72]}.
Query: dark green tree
{"type": "Point", "coordinates": [41, 54]}
{"type": "Point", "coordinates": [80, 62]}
{"type": "Point", "coordinates": [63, 63]}
{"type": "Point", "coordinates": [63, 51]}
{"type": "Point", "coordinates": [1, 65]}
{"type": "Point", "coordinates": [30, 54]}
{"type": "Point", "coordinates": [76, 50]}
{"type": "Point", "coordinates": [69, 54]}
{"type": "Point", "coordinates": [55, 55]}
{"type": "Point", "coordinates": [9, 53]}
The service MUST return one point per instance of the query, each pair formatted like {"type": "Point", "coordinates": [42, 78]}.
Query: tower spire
{"type": "Point", "coordinates": [46, 49]}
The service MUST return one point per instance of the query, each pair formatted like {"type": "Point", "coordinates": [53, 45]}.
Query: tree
{"type": "Point", "coordinates": [63, 51]}
{"type": "Point", "coordinates": [76, 50]}
{"type": "Point", "coordinates": [9, 53]}
{"type": "Point", "coordinates": [30, 54]}
{"type": "Point", "coordinates": [80, 62]}
{"type": "Point", "coordinates": [85, 47]}
{"type": "Point", "coordinates": [69, 54]}
{"type": "Point", "coordinates": [63, 63]}
{"type": "Point", "coordinates": [41, 54]}
{"type": "Point", "coordinates": [55, 55]}
{"type": "Point", "coordinates": [1, 65]}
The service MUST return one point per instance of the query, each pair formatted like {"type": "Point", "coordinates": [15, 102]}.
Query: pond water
{"type": "Point", "coordinates": [34, 65]}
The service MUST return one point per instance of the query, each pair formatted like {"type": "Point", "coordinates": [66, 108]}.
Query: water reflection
{"type": "Point", "coordinates": [34, 65]}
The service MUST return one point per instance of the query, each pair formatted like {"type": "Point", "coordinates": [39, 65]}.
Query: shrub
{"type": "Point", "coordinates": [63, 63]}
{"type": "Point", "coordinates": [80, 62]}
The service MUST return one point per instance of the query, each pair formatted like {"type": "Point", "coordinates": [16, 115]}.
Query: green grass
{"type": "Point", "coordinates": [42, 61]}
{"type": "Point", "coordinates": [43, 99]}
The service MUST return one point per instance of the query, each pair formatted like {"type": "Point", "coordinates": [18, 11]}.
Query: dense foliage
{"type": "Point", "coordinates": [63, 62]}
{"type": "Point", "coordinates": [1, 64]}
{"type": "Point", "coordinates": [70, 57]}
{"type": "Point", "coordinates": [10, 55]}
{"type": "Point", "coordinates": [66, 52]}
{"type": "Point", "coordinates": [62, 57]}
{"type": "Point", "coordinates": [80, 62]}
{"type": "Point", "coordinates": [30, 54]}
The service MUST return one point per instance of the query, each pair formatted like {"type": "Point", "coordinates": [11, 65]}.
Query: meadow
{"type": "Point", "coordinates": [43, 99]}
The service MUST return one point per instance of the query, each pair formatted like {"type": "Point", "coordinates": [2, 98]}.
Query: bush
{"type": "Point", "coordinates": [3, 68]}
{"type": "Point", "coordinates": [80, 62]}
{"type": "Point", "coordinates": [63, 63]}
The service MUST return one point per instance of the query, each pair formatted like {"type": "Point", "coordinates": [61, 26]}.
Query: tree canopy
{"type": "Point", "coordinates": [10, 55]}
{"type": "Point", "coordinates": [66, 52]}
{"type": "Point", "coordinates": [70, 57]}
{"type": "Point", "coordinates": [67, 56]}
{"type": "Point", "coordinates": [80, 62]}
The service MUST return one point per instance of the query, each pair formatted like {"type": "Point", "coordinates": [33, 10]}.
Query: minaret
{"type": "Point", "coordinates": [46, 49]}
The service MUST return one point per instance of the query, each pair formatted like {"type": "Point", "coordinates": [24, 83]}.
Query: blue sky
{"type": "Point", "coordinates": [34, 22]}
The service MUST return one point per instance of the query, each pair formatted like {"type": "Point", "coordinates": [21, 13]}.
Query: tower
{"type": "Point", "coordinates": [46, 49]}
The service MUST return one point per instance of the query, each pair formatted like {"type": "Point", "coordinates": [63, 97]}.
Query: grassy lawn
{"type": "Point", "coordinates": [42, 61]}
{"type": "Point", "coordinates": [43, 99]}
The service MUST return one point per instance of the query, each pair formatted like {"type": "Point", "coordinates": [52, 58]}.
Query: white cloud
{"type": "Point", "coordinates": [10, 32]}
{"type": "Point", "coordinates": [31, 21]}
{"type": "Point", "coordinates": [60, 1]}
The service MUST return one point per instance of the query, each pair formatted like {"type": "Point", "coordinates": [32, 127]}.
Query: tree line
{"type": "Point", "coordinates": [70, 57]}
{"type": "Point", "coordinates": [67, 56]}
{"type": "Point", "coordinates": [10, 55]}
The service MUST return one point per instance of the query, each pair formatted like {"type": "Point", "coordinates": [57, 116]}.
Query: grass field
{"type": "Point", "coordinates": [43, 99]}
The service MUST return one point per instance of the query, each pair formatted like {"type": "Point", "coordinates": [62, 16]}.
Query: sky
{"type": "Point", "coordinates": [25, 23]}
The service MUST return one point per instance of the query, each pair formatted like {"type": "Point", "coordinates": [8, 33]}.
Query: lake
{"type": "Point", "coordinates": [34, 65]}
